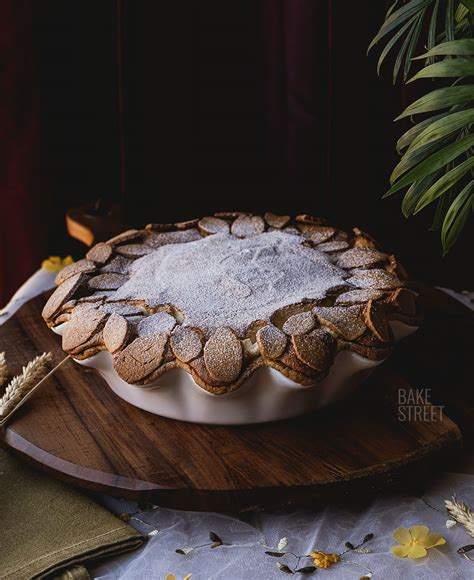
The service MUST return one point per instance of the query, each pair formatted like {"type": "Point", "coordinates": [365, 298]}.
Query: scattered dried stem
{"type": "Point", "coordinates": [3, 368]}
{"type": "Point", "coordinates": [462, 513]}
{"type": "Point", "coordinates": [22, 384]}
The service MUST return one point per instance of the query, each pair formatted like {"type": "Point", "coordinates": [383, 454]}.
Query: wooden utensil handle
{"type": "Point", "coordinates": [95, 221]}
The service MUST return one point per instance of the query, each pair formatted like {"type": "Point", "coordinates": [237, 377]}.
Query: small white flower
{"type": "Point", "coordinates": [282, 544]}
{"type": "Point", "coordinates": [450, 523]}
{"type": "Point", "coordinates": [362, 550]}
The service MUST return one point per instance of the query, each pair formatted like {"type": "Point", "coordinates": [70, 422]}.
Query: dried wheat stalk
{"type": "Point", "coordinates": [462, 513]}
{"type": "Point", "coordinates": [3, 368]}
{"type": "Point", "coordinates": [22, 384]}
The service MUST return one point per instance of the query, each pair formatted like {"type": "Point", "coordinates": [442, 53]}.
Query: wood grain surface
{"type": "Point", "coordinates": [76, 428]}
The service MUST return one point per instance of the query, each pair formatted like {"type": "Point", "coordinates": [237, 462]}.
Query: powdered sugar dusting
{"type": "Point", "coordinates": [224, 281]}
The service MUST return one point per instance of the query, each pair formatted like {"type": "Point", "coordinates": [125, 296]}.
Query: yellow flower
{"type": "Point", "coordinates": [55, 263]}
{"type": "Point", "coordinates": [415, 541]}
{"type": "Point", "coordinates": [322, 560]}
{"type": "Point", "coordinates": [171, 576]}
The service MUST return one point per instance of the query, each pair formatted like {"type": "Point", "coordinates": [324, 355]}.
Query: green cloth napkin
{"type": "Point", "coordinates": [48, 528]}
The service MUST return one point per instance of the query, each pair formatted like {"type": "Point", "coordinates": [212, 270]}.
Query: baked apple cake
{"type": "Point", "coordinates": [222, 297]}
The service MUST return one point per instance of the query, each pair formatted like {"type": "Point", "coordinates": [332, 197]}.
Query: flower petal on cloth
{"type": "Point", "coordinates": [416, 551]}
{"type": "Point", "coordinates": [402, 535]}
{"type": "Point", "coordinates": [55, 263]}
{"type": "Point", "coordinates": [401, 551]}
{"type": "Point", "coordinates": [417, 532]}
{"type": "Point", "coordinates": [432, 540]}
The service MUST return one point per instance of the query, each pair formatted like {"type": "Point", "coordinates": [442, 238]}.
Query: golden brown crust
{"type": "Point", "coordinates": [61, 295]}
{"type": "Point", "coordinates": [345, 321]}
{"type": "Point", "coordinates": [375, 317]}
{"type": "Point", "coordinates": [301, 323]}
{"type": "Point", "coordinates": [403, 300]}
{"type": "Point", "coordinates": [116, 332]}
{"type": "Point", "coordinates": [186, 344]}
{"type": "Point", "coordinates": [271, 341]}
{"type": "Point", "coordinates": [133, 250]}
{"type": "Point", "coordinates": [100, 253]}
{"type": "Point", "coordinates": [212, 225]}
{"type": "Point", "coordinates": [316, 233]}
{"type": "Point", "coordinates": [127, 236]}
{"type": "Point", "coordinates": [140, 358]}
{"type": "Point", "coordinates": [276, 221]}
{"type": "Point", "coordinates": [310, 219]}
{"type": "Point", "coordinates": [300, 340]}
{"type": "Point", "coordinates": [106, 281]}
{"type": "Point", "coordinates": [363, 240]}
{"type": "Point", "coordinates": [248, 225]}
{"type": "Point", "coordinates": [82, 327]}
{"type": "Point", "coordinates": [79, 267]}
{"type": "Point", "coordinates": [314, 349]}
{"type": "Point", "coordinates": [223, 355]}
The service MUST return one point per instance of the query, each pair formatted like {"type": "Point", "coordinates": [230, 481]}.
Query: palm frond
{"type": "Point", "coordinates": [444, 183]}
{"type": "Point", "coordinates": [440, 99]}
{"type": "Point", "coordinates": [433, 162]}
{"type": "Point", "coordinates": [431, 40]}
{"type": "Point", "coordinates": [443, 127]}
{"type": "Point", "coordinates": [461, 47]}
{"type": "Point", "coordinates": [457, 216]}
{"type": "Point", "coordinates": [437, 153]}
{"type": "Point", "coordinates": [415, 191]}
{"type": "Point", "coordinates": [459, 67]}
{"type": "Point", "coordinates": [398, 17]}
{"type": "Point", "coordinates": [407, 138]}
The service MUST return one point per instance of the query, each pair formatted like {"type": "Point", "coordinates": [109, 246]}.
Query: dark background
{"type": "Point", "coordinates": [182, 110]}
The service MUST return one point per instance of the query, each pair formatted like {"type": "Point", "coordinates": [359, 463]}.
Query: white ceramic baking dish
{"type": "Point", "coordinates": [266, 396]}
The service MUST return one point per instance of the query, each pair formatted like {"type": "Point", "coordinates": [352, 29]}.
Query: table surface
{"type": "Point", "coordinates": [247, 537]}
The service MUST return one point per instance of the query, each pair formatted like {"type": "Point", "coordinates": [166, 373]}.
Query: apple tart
{"type": "Point", "coordinates": [225, 295]}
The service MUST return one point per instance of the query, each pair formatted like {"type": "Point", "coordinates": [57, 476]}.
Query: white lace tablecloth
{"type": "Point", "coordinates": [242, 556]}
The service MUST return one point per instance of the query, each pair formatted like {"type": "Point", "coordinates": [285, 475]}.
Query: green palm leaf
{"type": "Point", "coordinates": [391, 9]}
{"type": "Point", "coordinates": [414, 131]}
{"type": "Point", "coordinates": [414, 37]}
{"type": "Point", "coordinates": [402, 51]}
{"type": "Point", "coordinates": [399, 17]}
{"type": "Point", "coordinates": [461, 47]}
{"type": "Point", "coordinates": [443, 127]}
{"type": "Point", "coordinates": [460, 30]}
{"type": "Point", "coordinates": [390, 44]}
{"type": "Point", "coordinates": [469, 4]}
{"type": "Point", "coordinates": [457, 216]}
{"type": "Point", "coordinates": [413, 158]}
{"type": "Point", "coordinates": [431, 41]}
{"type": "Point", "coordinates": [444, 183]}
{"type": "Point", "coordinates": [446, 69]}
{"type": "Point", "coordinates": [441, 208]}
{"type": "Point", "coordinates": [449, 21]}
{"type": "Point", "coordinates": [440, 99]}
{"type": "Point", "coordinates": [439, 150]}
{"type": "Point", "coordinates": [433, 163]}
{"type": "Point", "coordinates": [461, 13]}
{"type": "Point", "coordinates": [414, 193]}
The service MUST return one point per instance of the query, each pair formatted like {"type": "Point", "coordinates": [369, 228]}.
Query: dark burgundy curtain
{"type": "Point", "coordinates": [237, 114]}
{"type": "Point", "coordinates": [183, 110]}
{"type": "Point", "coordinates": [24, 201]}
{"type": "Point", "coordinates": [297, 95]}
{"type": "Point", "coordinates": [59, 143]}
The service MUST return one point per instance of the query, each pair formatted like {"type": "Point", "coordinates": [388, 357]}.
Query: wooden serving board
{"type": "Point", "coordinates": [77, 429]}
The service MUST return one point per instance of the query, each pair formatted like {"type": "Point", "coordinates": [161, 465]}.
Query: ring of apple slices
{"type": "Point", "coordinates": [299, 340]}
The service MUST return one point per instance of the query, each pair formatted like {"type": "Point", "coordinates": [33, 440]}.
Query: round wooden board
{"type": "Point", "coordinates": [78, 430]}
